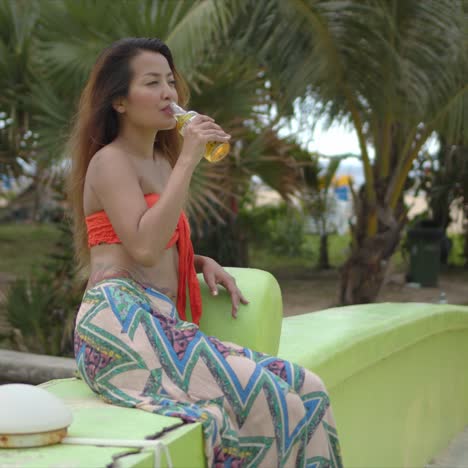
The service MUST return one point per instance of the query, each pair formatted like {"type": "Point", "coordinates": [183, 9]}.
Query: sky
{"type": "Point", "coordinates": [335, 140]}
{"type": "Point", "coordinates": [338, 139]}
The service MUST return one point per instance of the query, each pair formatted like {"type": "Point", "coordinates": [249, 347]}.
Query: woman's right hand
{"type": "Point", "coordinates": [198, 132]}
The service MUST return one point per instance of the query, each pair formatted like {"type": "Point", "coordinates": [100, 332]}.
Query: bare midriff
{"type": "Point", "coordinates": [112, 261]}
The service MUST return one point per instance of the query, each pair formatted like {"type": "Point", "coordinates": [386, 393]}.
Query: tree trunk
{"type": "Point", "coordinates": [465, 232]}
{"type": "Point", "coordinates": [324, 263]}
{"type": "Point", "coordinates": [35, 214]}
{"type": "Point", "coordinates": [363, 273]}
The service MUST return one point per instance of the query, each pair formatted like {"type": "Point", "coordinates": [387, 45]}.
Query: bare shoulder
{"type": "Point", "coordinates": [111, 173]}
{"type": "Point", "coordinates": [110, 165]}
{"type": "Point", "coordinates": [109, 157]}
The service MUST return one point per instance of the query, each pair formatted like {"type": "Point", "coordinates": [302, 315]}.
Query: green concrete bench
{"type": "Point", "coordinates": [396, 374]}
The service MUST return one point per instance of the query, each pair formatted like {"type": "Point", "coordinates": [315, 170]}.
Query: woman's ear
{"type": "Point", "coordinates": [119, 105]}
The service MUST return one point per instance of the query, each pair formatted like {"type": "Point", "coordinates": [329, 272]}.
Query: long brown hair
{"type": "Point", "coordinates": [96, 123]}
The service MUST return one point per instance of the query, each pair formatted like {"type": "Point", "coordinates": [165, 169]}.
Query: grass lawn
{"type": "Point", "coordinates": [338, 250]}
{"type": "Point", "coordinates": [264, 259]}
{"type": "Point", "coordinates": [25, 246]}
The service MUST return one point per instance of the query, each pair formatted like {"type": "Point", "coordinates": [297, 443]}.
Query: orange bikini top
{"type": "Point", "coordinates": [100, 231]}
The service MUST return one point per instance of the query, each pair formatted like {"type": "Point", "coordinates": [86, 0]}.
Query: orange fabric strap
{"type": "Point", "coordinates": [187, 274]}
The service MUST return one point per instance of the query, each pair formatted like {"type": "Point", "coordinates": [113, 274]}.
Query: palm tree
{"type": "Point", "coordinates": [68, 36]}
{"type": "Point", "coordinates": [73, 33]}
{"type": "Point", "coordinates": [217, 190]}
{"type": "Point", "coordinates": [395, 71]}
{"type": "Point", "coordinates": [18, 27]}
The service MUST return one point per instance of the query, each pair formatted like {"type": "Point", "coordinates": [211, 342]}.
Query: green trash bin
{"type": "Point", "coordinates": [424, 242]}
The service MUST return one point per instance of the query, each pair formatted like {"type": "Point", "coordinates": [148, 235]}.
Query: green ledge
{"type": "Point", "coordinates": [340, 342]}
{"type": "Point", "coordinates": [92, 418]}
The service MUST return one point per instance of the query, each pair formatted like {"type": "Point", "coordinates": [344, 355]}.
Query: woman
{"type": "Point", "coordinates": [128, 184]}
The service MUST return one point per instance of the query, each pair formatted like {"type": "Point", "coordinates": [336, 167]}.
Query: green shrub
{"type": "Point", "coordinates": [42, 324]}
{"type": "Point", "coordinates": [41, 307]}
{"type": "Point", "coordinates": [280, 229]}
{"type": "Point", "coordinates": [457, 257]}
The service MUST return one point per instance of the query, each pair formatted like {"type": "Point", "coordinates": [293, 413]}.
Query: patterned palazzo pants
{"type": "Point", "coordinates": [256, 410]}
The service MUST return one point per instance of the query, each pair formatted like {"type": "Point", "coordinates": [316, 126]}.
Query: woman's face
{"type": "Point", "coordinates": [151, 91]}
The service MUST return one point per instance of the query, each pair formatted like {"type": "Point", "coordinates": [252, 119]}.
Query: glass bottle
{"type": "Point", "coordinates": [214, 150]}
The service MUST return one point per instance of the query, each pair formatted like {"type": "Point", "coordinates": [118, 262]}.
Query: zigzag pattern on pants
{"type": "Point", "coordinates": [134, 351]}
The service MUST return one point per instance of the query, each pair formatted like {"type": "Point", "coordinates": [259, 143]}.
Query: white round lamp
{"type": "Point", "coordinates": [31, 416]}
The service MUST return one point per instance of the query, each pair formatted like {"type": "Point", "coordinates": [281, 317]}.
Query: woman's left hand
{"type": "Point", "coordinates": [215, 274]}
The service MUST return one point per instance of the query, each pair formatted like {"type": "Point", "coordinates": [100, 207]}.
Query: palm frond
{"type": "Point", "coordinates": [18, 26]}
{"type": "Point", "coordinates": [205, 24]}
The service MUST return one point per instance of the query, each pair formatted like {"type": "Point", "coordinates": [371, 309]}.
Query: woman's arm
{"type": "Point", "coordinates": [145, 232]}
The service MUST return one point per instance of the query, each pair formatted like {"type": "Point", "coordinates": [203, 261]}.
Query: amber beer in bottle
{"type": "Point", "coordinates": [214, 150]}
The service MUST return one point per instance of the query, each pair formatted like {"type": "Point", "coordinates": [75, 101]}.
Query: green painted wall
{"type": "Point", "coordinates": [397, 376]}
{"type": "Point", "coordinates": [405, 409]}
